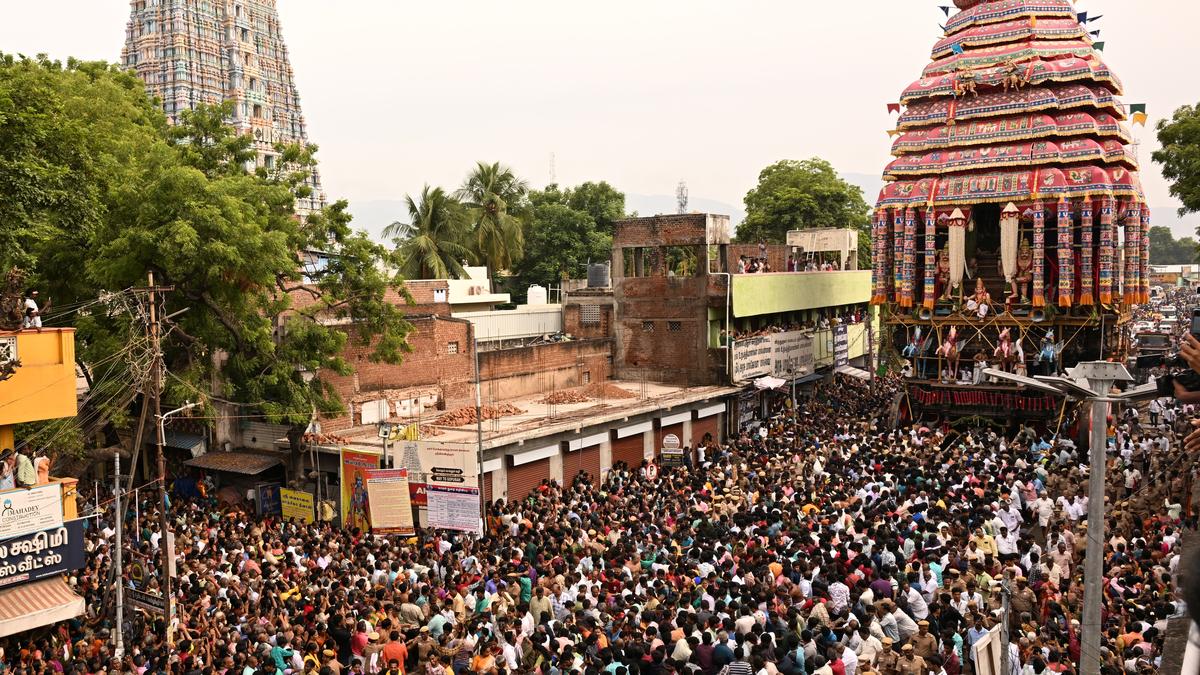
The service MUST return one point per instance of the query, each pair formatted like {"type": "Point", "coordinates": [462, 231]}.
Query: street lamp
{"type": "Point", "coordinates": [1090, 381]}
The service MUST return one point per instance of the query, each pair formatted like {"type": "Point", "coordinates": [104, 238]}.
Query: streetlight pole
{"type": "Point", "coordinates": [119, 648]}
{"type": "Point", "coordinates": [1091, 382]}
{"type": "Point", "coordinates": [166, 541]}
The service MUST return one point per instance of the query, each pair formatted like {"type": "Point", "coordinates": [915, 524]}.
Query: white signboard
{"type": "Point", "coordinates": [450, 465]}
{"type": "Point", "coordinates": [454, 508]}
{"type": "Point", "coordinates": [752, 358]}
{"type": "Point", "coordinates": [34, 510]}
{"type": "Point", "coordinates": [784, 355]}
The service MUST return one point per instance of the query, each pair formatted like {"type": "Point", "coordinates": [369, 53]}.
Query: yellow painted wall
{"type": "Point", "coordinates": [757, 294]}
{"type": "Point", "coordinates": [44, 386]}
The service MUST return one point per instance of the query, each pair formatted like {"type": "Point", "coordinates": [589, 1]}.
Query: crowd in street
{"type": "Point", "coordinates": [815, 544]}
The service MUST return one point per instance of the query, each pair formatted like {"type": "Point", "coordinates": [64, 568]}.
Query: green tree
{"type": "Point", "coordinates": [1165, 249]}
{"type": "Point", "coordinates": [560, 240]}
{"type": "Point", "coordinates": [795, 195]}
{"type": "Point", "coordinates": [495, 196]}
{"type": "Point", "coordinates": [95, 190]}
{"type": "Point", "coordinates": [431, 247]}
{"type": "Point", "coordinates": [1180, 155]}
{"type": "Point", "coordinates": [604, 203]}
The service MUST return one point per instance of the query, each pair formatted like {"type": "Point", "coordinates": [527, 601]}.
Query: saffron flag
{"type": "Point", "coordinates": [892, 133]}
{"type": "Point", "coordinates": [1139, 118]}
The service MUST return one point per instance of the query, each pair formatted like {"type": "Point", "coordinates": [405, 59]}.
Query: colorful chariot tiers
{"type": "Point", "coordinates": [1016, 123]}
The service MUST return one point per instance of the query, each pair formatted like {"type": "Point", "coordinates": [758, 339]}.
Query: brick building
{"type": "Point", "coordinates": [683, 307]}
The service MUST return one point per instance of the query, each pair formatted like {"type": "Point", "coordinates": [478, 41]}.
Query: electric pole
{"type": "Point", "coordinates": [164, 523]}
{"type": "Point", "coordinates": [119, 649]}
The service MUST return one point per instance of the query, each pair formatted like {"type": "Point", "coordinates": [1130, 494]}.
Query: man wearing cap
{"type": "Point", "coordinates": [910, 664]}
{"type": "Point", "coordinates": [887, 659]}
{"type": "Point", "coordinates": [329, 660]}
{"type": "Point", "coordinates": [924, 643]}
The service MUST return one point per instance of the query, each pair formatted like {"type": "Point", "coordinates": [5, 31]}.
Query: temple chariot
{"type": "Point", "coordinates": [1012, 230]}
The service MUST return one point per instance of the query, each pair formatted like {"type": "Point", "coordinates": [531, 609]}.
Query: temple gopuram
{"type": "Point", "coordinates": [1012, 230]}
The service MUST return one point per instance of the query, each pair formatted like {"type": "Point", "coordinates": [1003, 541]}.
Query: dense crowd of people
{"type": "Point", "coordinates": [816, 543]}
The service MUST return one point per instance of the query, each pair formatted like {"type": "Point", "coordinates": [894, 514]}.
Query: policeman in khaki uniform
{"type": "Point", "coordinates": [887, 660]}
{"type": "Point", "coordinates": [910, 664]}
{"type": "Point", "coordinates": [924, 643]}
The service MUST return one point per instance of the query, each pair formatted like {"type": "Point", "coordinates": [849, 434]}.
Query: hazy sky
{"type": "Point", "coordinates": [641, 93]}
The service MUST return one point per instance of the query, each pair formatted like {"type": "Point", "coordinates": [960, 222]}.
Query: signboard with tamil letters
{"type": "Point", "coordinates": [785, 355]}
{"type": "Point", "coordinates": [42, 554]}
{"type": "Point", "coordinates": [153, 603]}
{"type": "Point", "coordinates": [841, 345]}
{"type": "Point", "coordinates": [296, 504]}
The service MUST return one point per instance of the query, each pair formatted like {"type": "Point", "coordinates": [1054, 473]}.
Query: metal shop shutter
{"type": "Point", "coordinates": [486, 493]}
{"type": "Point", "coordinates": [525, 478]}
{"type": "Point", "coordinates": [586, 460]}
{"type": "Point", "coordinates": [706, 425]}
{"type": "Point", "coordinates": [628, 450]}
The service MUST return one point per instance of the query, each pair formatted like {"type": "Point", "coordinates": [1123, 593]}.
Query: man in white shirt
{"type": "Point", "coordinates": [1006, 544]}
{"type": "Point", "coordinates": [33, 315]}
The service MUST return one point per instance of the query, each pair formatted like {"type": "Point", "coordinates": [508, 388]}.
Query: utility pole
{"type": "Point", "coordinates": [119, 649]}
{"type": "Point", "coordinates": [1093, 569]}
{"type": "Point", "coordinates": [164, 522]}
{"type": "Point", "coordinates": [1099, 377]}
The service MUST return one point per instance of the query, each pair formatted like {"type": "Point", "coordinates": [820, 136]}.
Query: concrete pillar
{"type": "Point", "coordinates": [687, 433]}
{"type": "Point", "coordinates": [500, 482]}
{"type": "Point", "coordinates": [605, 457]}
{"type": "Point", "coordinates": [556, 468]}
{"type": "Point", "coordinates": [648, 450]}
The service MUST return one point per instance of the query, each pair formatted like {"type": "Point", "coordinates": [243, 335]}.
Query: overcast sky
{"type": "Point", "coordinates": [642, 93]}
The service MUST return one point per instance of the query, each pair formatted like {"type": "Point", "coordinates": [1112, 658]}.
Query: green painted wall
{"type": "Point", "coordinates": [755, 294]}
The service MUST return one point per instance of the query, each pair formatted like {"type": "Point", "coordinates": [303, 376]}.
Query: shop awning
{"type": "Point", "coordinates": [193, 443]}
{"type": "Point", "coordinates": [245, 463]}
{"type": "Point", "coordinates": [37, 604]}
{"type": "Point", "coordinates": [854, 372]}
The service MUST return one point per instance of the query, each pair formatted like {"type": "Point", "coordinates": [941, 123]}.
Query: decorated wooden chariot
{"type": "Point", "coordinates": [1013, 230]}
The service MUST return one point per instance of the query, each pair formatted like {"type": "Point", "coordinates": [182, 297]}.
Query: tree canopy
{"type": "Point", "coordinates": [1180, 155]}
{"type": "Point", "coordinates": [494, 197]}
{"type": "Point", "coordinates": [1165, 249]}
{"type": "Point", "coordinates": [795, 195]}
{"type": "Point", "coordinates": [96, 190]}
{"type": "Point", "coordinates": [436, 242]}
{"type": "Point", "coordinates": [567, 230]}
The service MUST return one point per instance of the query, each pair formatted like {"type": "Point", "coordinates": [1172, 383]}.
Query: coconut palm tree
{"type": "Point", "coordinates": [493, 195]}
{"type": "Point", "coordinates": [431, 246]}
